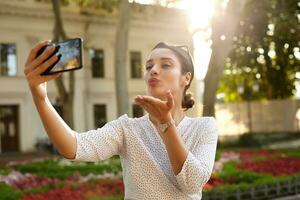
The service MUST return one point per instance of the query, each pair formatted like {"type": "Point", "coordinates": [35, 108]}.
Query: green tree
{"type": "Point", "coordinates": [223, 27]}
{"type": "Point", "coordinates": [264, 52]}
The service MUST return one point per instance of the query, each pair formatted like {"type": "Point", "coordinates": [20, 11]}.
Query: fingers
{"type": "Point", "coordinates": [52, 76]}
{"type": "Point", "coordinates": [170, 99]}
{"type": "Point", "coordinates": [145, 105]}
{"type": "Point", "coordinates": [40, 69]}
{"type": "Point", "coordinates": [151, 99]}
{"type": "Point", "coordinates": [35, 49]}
{"type": "Point", "coordinates": [43, 79]}
{"type": "Point", "coordinates": [44, 56]}
{"type": "Point", "coordinates": [36, 62]}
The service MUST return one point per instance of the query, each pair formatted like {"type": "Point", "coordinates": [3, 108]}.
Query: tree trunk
{"type": "Point", "coordinates": [121, 51]}
{"type": "Point", "coordinates": [223, 30]}
{"type": "Point", "coordinates": [66, 98]}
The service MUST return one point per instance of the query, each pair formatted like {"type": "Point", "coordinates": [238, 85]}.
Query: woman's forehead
{"type": "Point", "coordinates": [162, 53]}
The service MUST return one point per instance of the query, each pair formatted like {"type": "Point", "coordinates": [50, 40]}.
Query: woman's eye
{"type": "Point", "coordinates": [148, 67]}
{"type": "Point", "coordinates": [166, 65]}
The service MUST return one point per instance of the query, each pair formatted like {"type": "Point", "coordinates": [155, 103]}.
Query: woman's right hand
{"type": "Point", "coordinates": [36, 65]}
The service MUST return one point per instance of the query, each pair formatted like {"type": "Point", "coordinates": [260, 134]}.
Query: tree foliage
{"type": "Point", "coordinates": [264, 52]}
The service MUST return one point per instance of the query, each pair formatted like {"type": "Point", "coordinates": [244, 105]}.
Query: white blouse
{"type": "Point", "coordinates": [147, 171]}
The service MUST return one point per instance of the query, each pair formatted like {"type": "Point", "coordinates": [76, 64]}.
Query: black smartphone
{"type": "Point", "coordinates": [69, 54]}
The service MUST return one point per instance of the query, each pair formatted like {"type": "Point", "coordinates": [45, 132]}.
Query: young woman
{"type": "Point", "coordinates": [164, 154]}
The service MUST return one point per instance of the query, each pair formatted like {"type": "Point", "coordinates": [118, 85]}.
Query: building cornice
{"type": "Point", "coordinates": [141, 15]}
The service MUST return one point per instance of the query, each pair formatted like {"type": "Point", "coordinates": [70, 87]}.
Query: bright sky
{"type": "Point", "coordinates": [200, 13]}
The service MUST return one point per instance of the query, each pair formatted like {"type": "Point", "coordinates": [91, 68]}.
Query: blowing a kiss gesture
{"type": "Point", "coordinates": [160, 110]}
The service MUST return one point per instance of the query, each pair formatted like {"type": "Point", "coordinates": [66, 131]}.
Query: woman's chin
{"type": "Point", "coordinates": [157, 93]}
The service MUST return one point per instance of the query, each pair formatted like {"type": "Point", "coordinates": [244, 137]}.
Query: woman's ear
{"type": "Point", "coordinates": [185, 79]}
{"type": "Point", "coordinates": [188, 77]}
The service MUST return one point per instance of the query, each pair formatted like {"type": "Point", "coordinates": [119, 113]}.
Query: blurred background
{"type": "Point", "coordinates": [247, 75]}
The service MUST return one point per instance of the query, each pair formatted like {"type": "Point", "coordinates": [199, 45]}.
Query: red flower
{"type": "Point", "coordinates": [84, 191]}
{"type": "Point", "coordinates": [246, 155]}
{"type": "Point", "coordinates": [212, 182]}
{"type": "Point", "coordinates": [276, 167]}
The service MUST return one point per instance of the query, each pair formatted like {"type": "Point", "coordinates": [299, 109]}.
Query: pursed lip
{"type": "Point", "coordinates": [153, 81]}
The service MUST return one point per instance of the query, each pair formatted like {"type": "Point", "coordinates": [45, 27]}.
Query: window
{"type": "Point", "coordinates": [137, 110]}
{"type": "Point", "coordinates": [8, 60]}
{"type": "Point", "coordinates": [99, 115]}
{"type": "Point", "coordinates": [136, 64]}
{"type": "Point", "coordinates": [9, 128]}
{"type": "Point", "coordinates": [97, 62]}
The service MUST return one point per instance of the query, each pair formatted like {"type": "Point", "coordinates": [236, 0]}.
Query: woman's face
{"type": "Point", "coordinates": [163, 72]}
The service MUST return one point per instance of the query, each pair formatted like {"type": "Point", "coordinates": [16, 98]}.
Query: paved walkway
{"type": "Point", "coordinates": [295, 197]}
{"type": "Point", "coordinates": [286, 144]}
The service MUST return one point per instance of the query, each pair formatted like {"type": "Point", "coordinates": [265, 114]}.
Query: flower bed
{"type": "Point", "coordinates": [61, 179]}
{"type": "Point", "coordinates": [246, 169]}
{"type": "Point", "coordinates": [276, 167]}
{"type": "Point", "coordinates": [83, 191]}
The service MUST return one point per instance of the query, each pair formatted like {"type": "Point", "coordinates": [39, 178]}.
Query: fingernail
{"type": "Point", "coordinates": [50, 47]}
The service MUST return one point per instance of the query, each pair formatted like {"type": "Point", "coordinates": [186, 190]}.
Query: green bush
{"type": "Point", "coordinates": [293, 153]}
{"type": "Point", "coordinates": [9, 193]}
{"type": "Point", "coordinates": [232, 175]}
{"type": "Point", "coordinates": [4, 171]}
{"type": "Point", "coordinates": [53, 169]}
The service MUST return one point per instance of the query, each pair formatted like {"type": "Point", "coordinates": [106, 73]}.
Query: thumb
{"type": "Point", "coordinates": [170, 100]}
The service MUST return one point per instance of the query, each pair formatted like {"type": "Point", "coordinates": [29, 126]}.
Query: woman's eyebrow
{"type": "Point", "coordinates": [161, 59]}
{"type": "Point", "coordinates": [149, 61]}
{"type": "Point", "coordinates": [166, 59]}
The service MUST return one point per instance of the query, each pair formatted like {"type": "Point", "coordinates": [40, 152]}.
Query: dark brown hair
{"type": "Point", "coordinates": [187, 65]}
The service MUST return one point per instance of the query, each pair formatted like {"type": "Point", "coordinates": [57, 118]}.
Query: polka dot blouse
{"type": "Point", "coordinates": [147, 171]}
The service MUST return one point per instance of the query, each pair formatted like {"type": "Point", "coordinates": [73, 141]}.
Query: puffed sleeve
{"type": "Point", "coordinates": [102, 143]}
{"type": "Point", "coordinates": [198, 165]}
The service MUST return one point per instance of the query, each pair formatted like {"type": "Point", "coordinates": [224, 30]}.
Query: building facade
{"type": "Point", "coordinates": [25, 22]}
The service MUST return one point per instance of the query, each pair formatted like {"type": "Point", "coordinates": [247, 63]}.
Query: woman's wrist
{"type": "Point", "coordinates": [165, 118]}
{"type": "Point", "coordinates": [37, 97]}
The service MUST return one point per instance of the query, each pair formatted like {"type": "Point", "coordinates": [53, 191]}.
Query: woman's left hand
{"type": "Point", "coordinates": [159, 109]}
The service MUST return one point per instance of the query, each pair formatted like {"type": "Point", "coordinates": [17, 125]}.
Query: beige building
{"type": "Point", "coordinates": [25, 22]}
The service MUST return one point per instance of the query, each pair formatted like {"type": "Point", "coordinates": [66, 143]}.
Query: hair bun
{"type": "Point", "coordinates": [188, 101]}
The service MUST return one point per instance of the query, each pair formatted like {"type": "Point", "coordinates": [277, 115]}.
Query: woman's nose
{"type": "Point", "coordinates": [154, 70]}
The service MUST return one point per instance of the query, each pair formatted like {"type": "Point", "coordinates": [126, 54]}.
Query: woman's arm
{"type": "Point", "coordinates": [62, 136]}
{"type": "Point", "coordinates": [176, 148]}
{"type": "Point", "coordinates": [191, 169]}
{"type": "Point", "coordinates": [58, 131]}
{"type": "Point", "coordinates": [197, 168]}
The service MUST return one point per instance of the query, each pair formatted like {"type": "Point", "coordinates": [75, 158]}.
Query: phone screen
{"type": "Point", "coordinates": [69, 56]}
